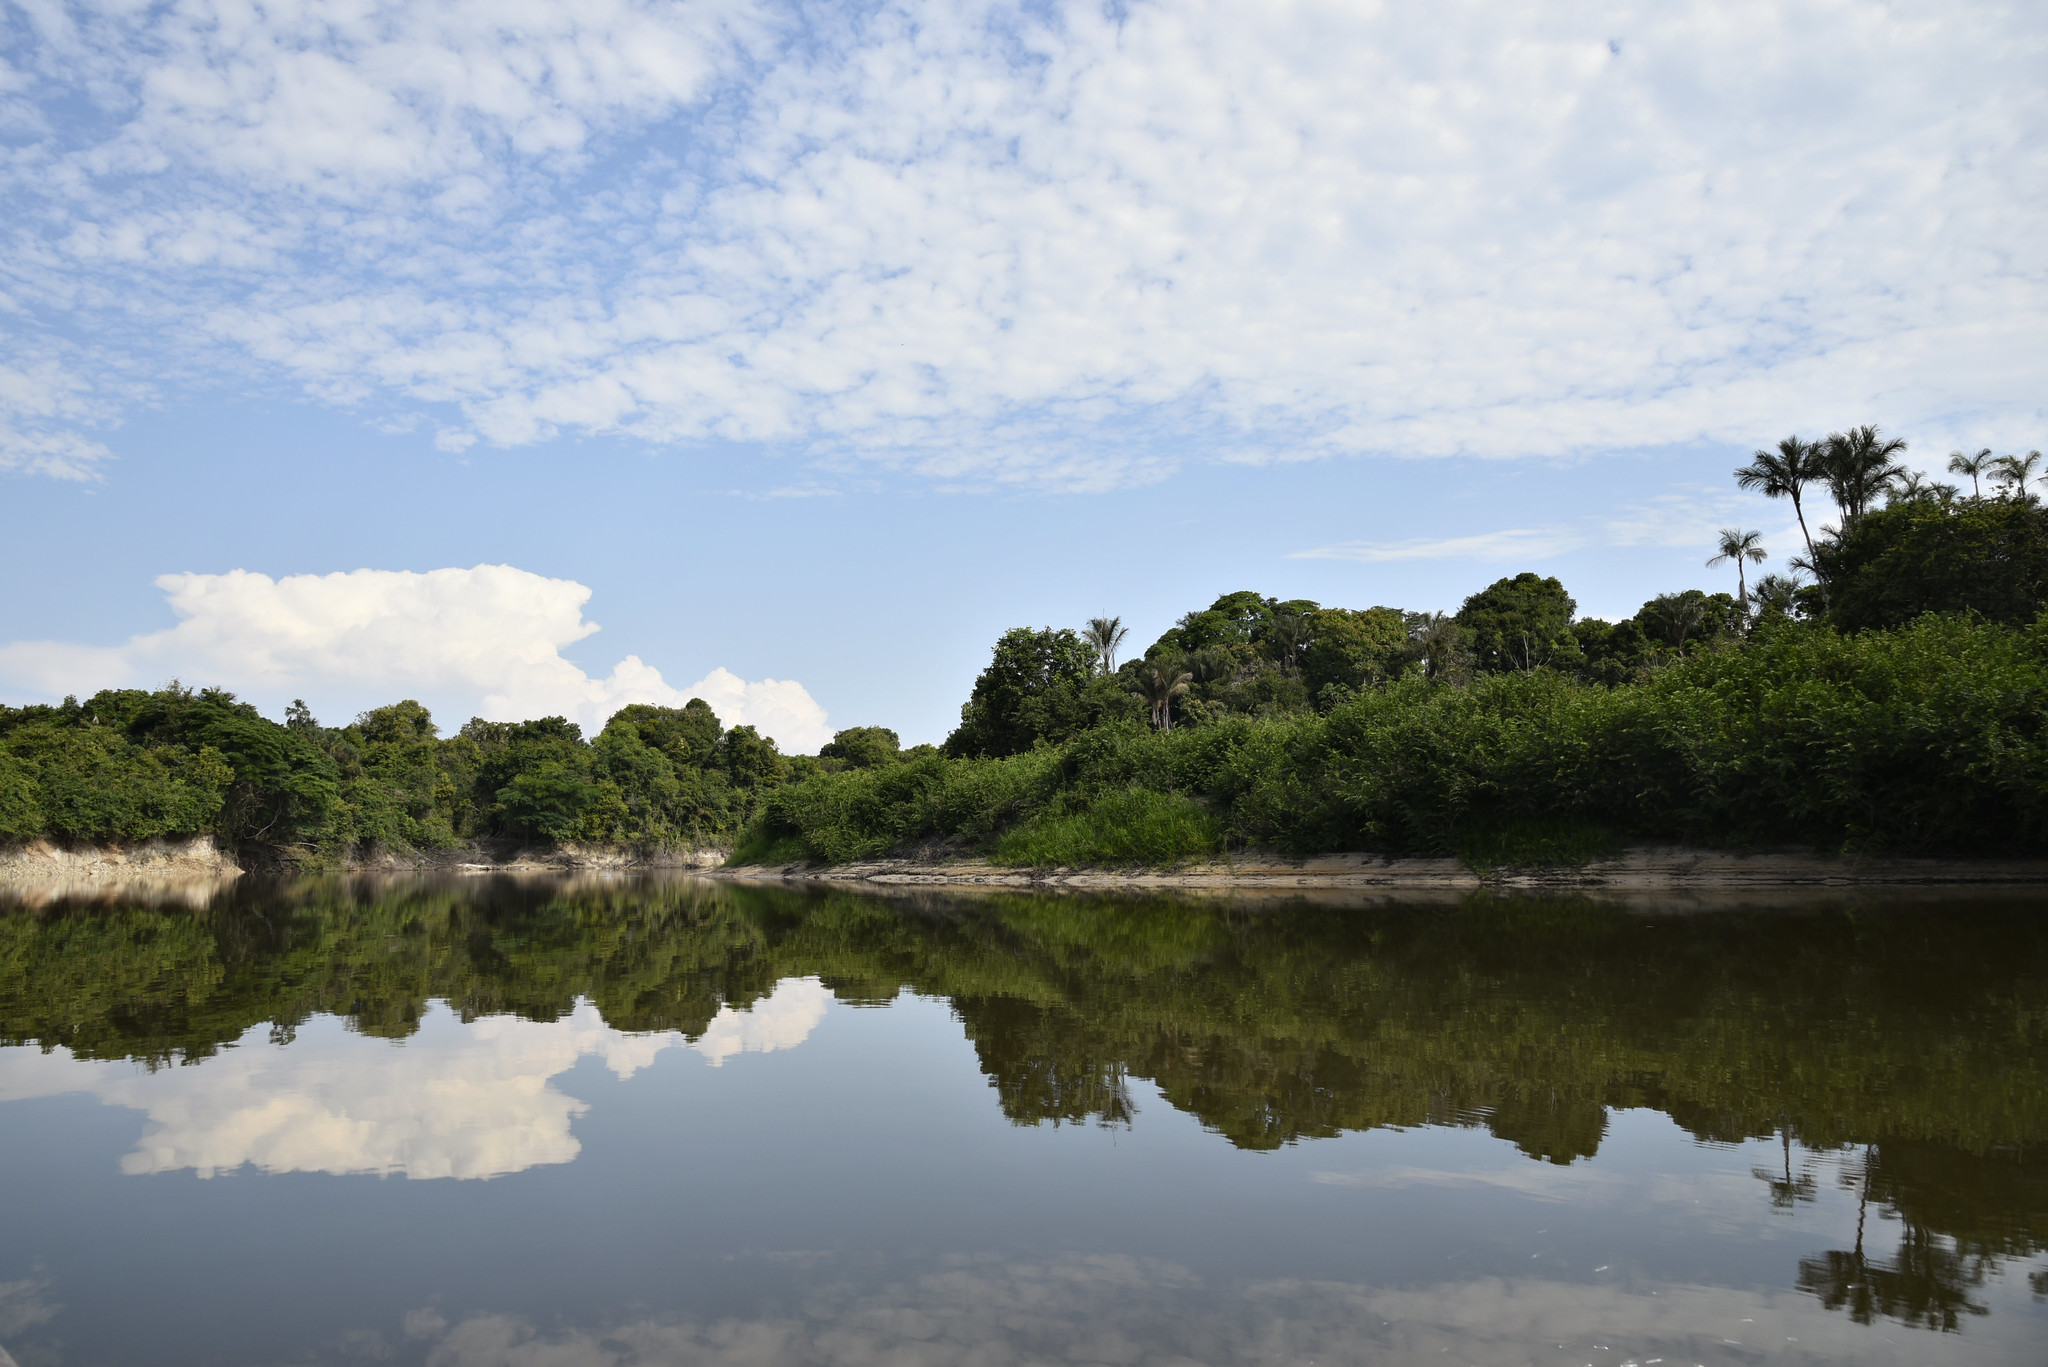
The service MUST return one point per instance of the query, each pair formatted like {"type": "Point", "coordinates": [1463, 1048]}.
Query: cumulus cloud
{"type": "Point", "coordinates": [492, 633]}
{"type": "Point", "coordinates": [1064, 244]}
{"type": "Point", "coordinates": [454, 1100]}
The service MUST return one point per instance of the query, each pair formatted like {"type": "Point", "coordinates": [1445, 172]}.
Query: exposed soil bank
{"type": "Point", "coordinates": [191, 870]}
{"type": "Point", "coordinates": [508, 857]}
{"type": "Point", "coordinates": [1648, 869]}
{"type": "Point", "coordinates": [150, 870]}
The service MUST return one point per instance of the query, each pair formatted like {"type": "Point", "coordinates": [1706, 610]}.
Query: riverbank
{"type": "Point", "coordinates": [37, 872]}
{"type": "Point", "coordinates": [1644, 869]}
{"type": "Point", "coordinates": [189, 870]}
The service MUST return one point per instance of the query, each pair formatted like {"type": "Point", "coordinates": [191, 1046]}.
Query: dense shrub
{"type": "Point", "coordinates": [127, 765]}
{"type": "Point", "coordinates": [1925, 738]}
{"type": "Point", "coordinates": [1988, 556]}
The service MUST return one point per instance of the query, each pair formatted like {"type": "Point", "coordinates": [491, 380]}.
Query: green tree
{"type": "Point", "coordinates": [1740, 546]}
{"type": "Point", "coordinates": [1521, 623]}
{"type": "Point", "coordinates": [1160, 681]}
{"type": "Point", "coordinates": [688, 735]}
{"type": "Point", "coordinates": [1785, 473]}
{"type": "Point", "coordinates": [1613, 652]}
{"type": "Point", "coordinates": [1353, 650]}
{"type": "Point", "coordinates": [752, 761]}
{"type": "Point", "coordinates": [284, 792]}
{"type": "Point", "coordinates": [2012, 474]}
{"type": "Point", "coordinates": [1777, 595]}
{"type": "Point", "coordinates": [1975, 466]}
{"type": "Point", "coordinates": [1860, 463]}
{"type": "Point", "coordinates": [548, 800]}
{"type": "Point", "coordinates": [1677, 621]}
{"type": "Point", "coordinates": [1039, 686]}
{"type": "Point", "coordinates": [864, 747]}
{"type": "Point", "coordinates": [1988, 557]}
{"type": "Point", "coordinates": [1106, 634]}
{"type": "Point", "coordinates": [1440, 645]}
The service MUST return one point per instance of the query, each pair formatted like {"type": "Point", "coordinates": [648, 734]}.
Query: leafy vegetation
{"type": "Point", "coordinates": [1929, 737]}
{"type": "Point", "coordinates": [1893, 701]}
{"type": "Point", "coordinates": [130, 765]}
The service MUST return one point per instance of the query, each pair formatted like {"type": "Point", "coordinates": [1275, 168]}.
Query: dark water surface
{"type": "Point", "coordinates": [593, 1124]}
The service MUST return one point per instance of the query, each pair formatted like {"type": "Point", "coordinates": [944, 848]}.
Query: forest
{"type": "Point", "coordinates": [1889, 694]}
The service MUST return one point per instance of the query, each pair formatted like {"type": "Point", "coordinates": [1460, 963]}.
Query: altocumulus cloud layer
{"type": "Point", "coordinates": [490, 637]}
{"type": "Point", "coordinates": [1046, 243]}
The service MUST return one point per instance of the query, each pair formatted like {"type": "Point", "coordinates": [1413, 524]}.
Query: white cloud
{"type": "Point", "coordinates": [1691, 519]}
{"type": "Point", "coordinates": [494, 634]}
{"type": "Point", "coordinates": [44, 406]}
{"type": "Point", "coordinates": [1515, 543]}
{"type": "Point", "coordinates": [457, 1100]}
{"type": "Point", "coordinates": [782, 1020]}
{"type": "Point", "coordinates": [1069, 244]}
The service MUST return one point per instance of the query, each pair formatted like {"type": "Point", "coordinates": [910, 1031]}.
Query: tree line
{"type": "Point", "coordinates": [128, 764]}
{"type": "Point", "coordinates": [1831, 706]}
{"type": "Point", "coordinates": [1887, 694]}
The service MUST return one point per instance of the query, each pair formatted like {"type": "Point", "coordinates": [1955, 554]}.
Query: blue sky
{"type": "Point", "coordinates": [805, 348]}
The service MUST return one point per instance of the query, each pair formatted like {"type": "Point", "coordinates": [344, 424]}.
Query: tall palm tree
{"type": "Point", "coordinates": [2013, 473]}
{"type": "Point", "coordinates": [1439, 643]}
{"type": "Point", "coordinates": [1860, 463]}
{"type": "Point", "coordinates": [1974, 466]}
{"type": "Point", "coordinates": [1291, 632]}
{"type": "Point", "coordinates": [1159, 684]}
{"type": "Point", "coordinates": [1785, 473]}
{"type": "Point", "coordinates": [1777, 593]}
{"type": "Point", "coordinates": [1740, 546]}
{"type": "Point", "coordinates": [1915, 487]}
{"type": "Point", "coordinates": [1106, 634]}
{"type": "Point", "coordinates": [1674, 617]}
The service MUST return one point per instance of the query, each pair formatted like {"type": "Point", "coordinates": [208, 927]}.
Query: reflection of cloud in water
{"type": "Point", "coordinates": [454, 1100]}
{"type": "Point", "coordinates": [23, 1305]}
{"type": "Point", "coordinates": [780, 1021]}
{"type": "Point", "coordinates": [1120, 1310]}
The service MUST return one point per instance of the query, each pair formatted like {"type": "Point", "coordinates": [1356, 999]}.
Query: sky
{"type": "Point", "coordinates": [529, 358]}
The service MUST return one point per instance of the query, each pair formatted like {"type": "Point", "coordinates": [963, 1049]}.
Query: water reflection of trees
{"type": "Point", "coordinates": [1909, 1039]}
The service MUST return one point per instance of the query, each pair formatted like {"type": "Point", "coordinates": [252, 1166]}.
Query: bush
{"type": "Point", "coordinates": [1133, 826]}
{"type": "Point", "coordinates": [1926, 738]}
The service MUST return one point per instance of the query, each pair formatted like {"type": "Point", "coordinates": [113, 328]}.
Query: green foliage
{"type": "Point", "coordinates": [1123, 827]}
{"type": "Point", "coordinates": [129, 765]}
{"type": "Point", "coordinates": [1986, 556]}
{"type": "Point", "coordinates": [1929, 738]}
{"type": "Point", "coordinates": [1614, 652]}
{"type": "Point", "coordinates": [1521, 623]}
{"type": "Point", "coordinates": [1040, 686]}
{"type": "Point", "coordinates": [687, 735]}
{"type": "Point", "coordinates": [1354, 650]}
{"type": "Point", "coordinates": [1681, 622]}
{"type": "Point", "coordinates": [546, 800]}
{"type": "Point", "coordinates": [863, 747]}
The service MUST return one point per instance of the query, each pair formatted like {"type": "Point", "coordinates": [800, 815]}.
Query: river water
{"type": "Point", "coordinates": [498, 1123]}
